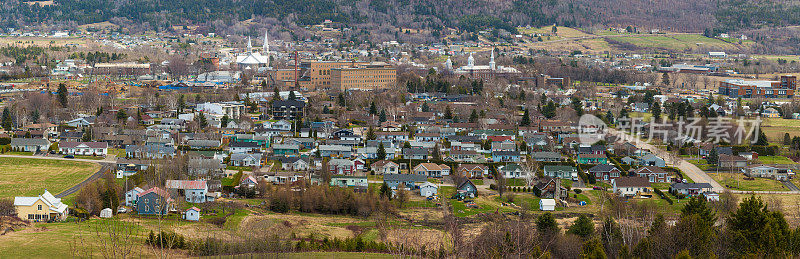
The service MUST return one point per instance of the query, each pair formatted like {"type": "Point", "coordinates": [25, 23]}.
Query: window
{"type": "Point", "coordinates": [40, 207]}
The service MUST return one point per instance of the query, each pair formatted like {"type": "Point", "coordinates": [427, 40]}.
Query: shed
{"type": "Point", "coordinates": [428, 189]}
{"type": "Point", "coordinates": [106, 213]}
{"type": "Point", "coordinates": [192, 214]}
{"type": "Point", "coordinates": [547, 204]}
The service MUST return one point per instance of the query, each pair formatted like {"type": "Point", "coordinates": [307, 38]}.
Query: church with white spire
{"type": "Point", "coordinates": [252, 60]}
{"type": "Point", "coordinates": [480, 71]}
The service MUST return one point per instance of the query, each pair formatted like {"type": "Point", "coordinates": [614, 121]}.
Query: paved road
{"type": "Point", "coordinates": [80, 185]}
{"type": "Point", "coordinates": [691, 170]}
{"type": "Point", "coordinates": [791, 186]}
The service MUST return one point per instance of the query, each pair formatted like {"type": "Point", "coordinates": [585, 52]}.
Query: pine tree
{"type": "Point", "coordinates": [448, 113]}
{"type": "Point", "coordinates": [121, 115]}
{"type": "Point", "coordinates": [292, 96]}
{"type": "Point", "coordinates": [787, 140]}
{"type": "Point", "coordinates": [372, 109]}
{"type": "Point", "coordinates": [381, 151]}
{"type": "Point", "coordinates": [224, 121]}
{"type": "Point", "coordinates": [609, 117]}
{"type": "Point", "coordinates": [181, 104]}
{"type": "Point", "coordinates": [8, 124]}
{"type": "Point", "coordinates": [35, 116]}
{"type": "Point", "coordinates": [342, 102]}
{"type": "Point", "coordinates": [526, 119]}
{"type": "Point", "coordinates": [655, 109]}
{"type": "Point", "coordinates": [473, 118]}
{"type": "Point", "coordinates": [583, 227]}
{"type": "Point", "coordinates": [62, 94]}
{"type": "Point", "coordinates": [665, 78]}
{"type": "Point", "coordinates": [382, 117]}
{"type": "Point", "coordinates": [712, 158]}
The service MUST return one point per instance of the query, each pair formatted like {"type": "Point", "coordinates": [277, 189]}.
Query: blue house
{"type": "Point", "coordinates": [285, 149]}
{"type": "Point", "coordinates": [466, 189]}
{"type": "Point", "coordinates": [155, 201]}
{"type": "Point", "coordinates": [505, 156]}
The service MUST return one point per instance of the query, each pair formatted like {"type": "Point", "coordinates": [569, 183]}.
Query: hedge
{"type": "Point", "coordinates": [663, 196]}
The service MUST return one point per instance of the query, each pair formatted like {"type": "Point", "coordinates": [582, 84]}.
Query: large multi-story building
{"type": "Point", "coordinates": [783, 88]}
{"type": "Point", "coordinates": [319, 72]}
{"type": "Point", "coordinates": [233, 109]}
{"type": "Point", "coordinates": [287, 110]}
{"type": "Point", "coordinates": [372, 76]}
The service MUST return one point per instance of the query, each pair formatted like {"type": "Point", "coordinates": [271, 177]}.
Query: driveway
{"type": "Point", "coordinates": [77, 187]}
{"type": "Point", "coordinates": [691, 170]}
{"type": "Point", "coordinates": [791, 186]}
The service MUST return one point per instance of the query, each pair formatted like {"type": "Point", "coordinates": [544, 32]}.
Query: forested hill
{"type": "Point", "coordinates": [695, 15]}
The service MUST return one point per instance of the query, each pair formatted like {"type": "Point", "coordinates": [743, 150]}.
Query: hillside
{"type": "Point", "coordinates": [470, 15]}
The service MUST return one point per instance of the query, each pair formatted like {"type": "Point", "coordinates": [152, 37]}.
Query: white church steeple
{"type": "Point", "coordinates": [470, 60]}
{"type": "Point", "coordinates": [249, 44]}
{"type": "Point", "coordinates": [491, 61]}
{"type": "Point", "coordinates": [266, 42]}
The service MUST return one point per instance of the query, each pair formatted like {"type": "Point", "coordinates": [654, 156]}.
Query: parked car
{"type": "Point", "coordinates": [69, 156]}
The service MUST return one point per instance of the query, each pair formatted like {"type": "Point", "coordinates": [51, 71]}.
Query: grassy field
{"type": "Point", "coordinates": [674, 42]}
{"type": "Point", "coordinates": [775, 160]}
{"type": "Point", "coordinates": [775, 128]}
{"type": "Point", "coordinates": [736, 181]}
{"type": "Point", "coordinates": [28, 176]}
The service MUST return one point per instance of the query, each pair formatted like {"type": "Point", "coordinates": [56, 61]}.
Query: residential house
{"type": "Point", "coordinates": [285, 149]}
{"type": "Point", "coordinates": [561, 171]}
{"type": "Point", "coordinates": [511, 170]}
{"type": "Point", "coordinates": [45, 207]}
{"type": "Point", "coordinates": [154, 201]}
{"type": "Point", "coordinates": [548, 188]}
{"type": "Point", "coordinates": [604, 172]}
{"type": "Point", "coordinates": [729, 161]}
{"type": "Point", "coordinates": [416, 153]}
{"type": "Point", "coordinates": [385, 167]}
{"type": "Point", "coordinates": [193, 191]}
{"type": "Point", "coordinates": [768, 171]}
{"type": "Point", "coordinates": [504, 146]}
{"type": "Point", "coordinates": [132, 195]}
{"type": "Point", "coordinates": [428, 189]}
{"type": "Point", "coordinates": [630, 186]}
{"type": "Point", "coordinates": [203, 143]}
{"type": "Point", "coordinates": [432, 170]}
{"type": "Point", "coordinates": [470, 156]}
{"type": "Point", "coordinates": [246, 159]}
{"type": "Point", "coordinates": [652, 160]}
{"type": "Point", "coordinates": [407, 181]}
{"type": "Point", "coordinates": [372, 152]}
{"type": "Point", "coordinates": [283, 177]}
{"type": "Point", "coordinates": [592, 159]}
{"type": "Point", "coordinates": [149, 151]}
{"type": "Point", "coordinates": [653, 174]}
{"type": "Point", "coordinates": [690, 189]}
{"type": "Point", "coordinates": [248, 182]}
{"type": "Point", "coordinates": [244, 147]}
{"type": "Point", "coordinates": [473, 170]}
{"type": "Point", "coordinates": [335, 151]}
{"type": "Point", "coordinates": [506, 156]}
{"type": "Point", "coordinates": [546, 156]}
{"type": "Point", "coordinates": [593, 149]}
{"type": "Point", "coordinates": [394, 136]}
{"type": "Point", "coordinates": [339, 166]}
{"type": "Point", "coordinates": [293, 163]}
{"type": "Point", "coordinates": [83, 148]}
{"type": "Point", "coordinates": [35, 145]}
{"type": "Point", "coordinates": [467, 189]}
{"type": "Point", "coordinates": [349, 181]}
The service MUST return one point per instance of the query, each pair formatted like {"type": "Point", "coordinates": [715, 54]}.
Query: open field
{"type": "Point", "coordinates": [30, 176]}
{"type": "Point", "coordinates": [736, 181]}
{"type": "Point", "coordinates": [775, 160]}
{"type": "Point", "coordinates": [775, 128]}
{"type": "Point", "coordinates": [674, 42]}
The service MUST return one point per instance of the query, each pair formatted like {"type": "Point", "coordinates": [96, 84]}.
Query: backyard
{"type": "Point", "coordinates": [737, 181]}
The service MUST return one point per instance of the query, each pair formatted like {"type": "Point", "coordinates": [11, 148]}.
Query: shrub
{"type": "Point", "coordinates": [492, 187]}
{"type": "Point", "coordinates": [578, 191]}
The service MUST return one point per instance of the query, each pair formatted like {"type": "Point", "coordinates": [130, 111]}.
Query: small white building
{"type": "Point", "coordinates": [547, 204]}
{"type": "Point", "coordinates": [428, 189]}
{"type": "Point", "coordinates": [192, 214]}
{"type": "Point", "coordinates": [83, 148]}
{"type": "Point", "coordinates": [106, 213]}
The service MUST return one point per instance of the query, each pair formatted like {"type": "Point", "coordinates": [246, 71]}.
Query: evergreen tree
{"type": "Point", "coordinates": [121, 115]}
{"type": "Point", "coordinates": [526, 119]}
{"type": "Point", "coordinates": [712, 158]}
{"type": "Point", "coordinates": [582, 227]}
{"type": "Point", "coordinates": [8, 124]}
{"type": "Point", "coordinates": [762, 138]}
{"type": "Point", "coordinates": [787, 140]}
{"type": "Point", "coordinates": [665, 78]}
{"type": "Point", "coordinates": [371, 134]}
{"type": "Point", "coordinates": [372, 109]}
{"type": "Point", "coordinates": [224, 121]}
{"type": "Point", "coordinates": [448, 113]}
{"type": "Point", "coordinates": [609, 117]}
{"type": "Point", "coordinates": [382, 117]}
{"type": "Point", "coordinates": [699, 206]}
{"type": "Point", "coordinates": [385, 192]}
{"type": "Point", "coordinates": [425, 107]}
{"type": "Point", "coordinates": [87, 135]}
{"type": "Point", "coordinates": [292, 96]}
{"type": "Point", "coordinates": [35, 116]}
{"type": "Point", "coordinates": [342, 102]}
{"type": "Point", "coordinates": [758, 230]}
{"type": "Point", "coordinates": [577, 106]}
{"type": "Point", "coordinates": [181, 104]}
{"type": "Point", "coordinates": [263, 84]}
{"type": "Point", "coordinates": [549, 110]}
{"type": "Point", "coordinates": [547, 225]}
{"type": "Point", "coordinates": [655, 109]}
{"type": "Point", "coordinates": [381, 151]}
{"type": "Point", "coordinates": [473, 117]}
{"type": "Point", "coordinates": [62, 94]}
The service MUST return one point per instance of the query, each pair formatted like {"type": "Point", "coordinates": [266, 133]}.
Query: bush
{"type": "Point", "coordinates": [663, 196]}
{"type": "Point", "coordinates": [578, 191]}
{"type": "Point", "coordinates": [168, 240]}
{"type": "Point", "coordinates": [492, 187]}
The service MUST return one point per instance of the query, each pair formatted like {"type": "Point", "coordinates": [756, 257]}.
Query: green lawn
{"type": "Point", "coordinates": [485, 206]}
{"type": "Point", "coordinates": [29, 176]}
{"type": "Point", "coordinates": [736, 181]}
{"type": "Point", "coordinates": [515, 182]}
{"type": "Point", "coordinates": [775, 160]}
{"type": "Point", "coordinates": [477, 181]}
{"type": "Point", "coordinates": [660, 186]}
{"type": "Point", "coordinates": [239, 168]}
{"type": "Point", "coordinates": [701, 163]}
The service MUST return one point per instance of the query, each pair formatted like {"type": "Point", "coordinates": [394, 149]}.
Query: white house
{"type": "Point", "coordinates": [130, 196]}
{"type": "Point", "coordinates": [194, 191]}
{"type": "Point", "coordinates": [192, 214]}
{"type": "Point", "coordinates": [547, 204]}
{"type": "Point", "coordinates": [630, 186]}
{"type": "Point", "coordinates": [428, 189]}
{"type": "Point", "coordinates": [83, 148]}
